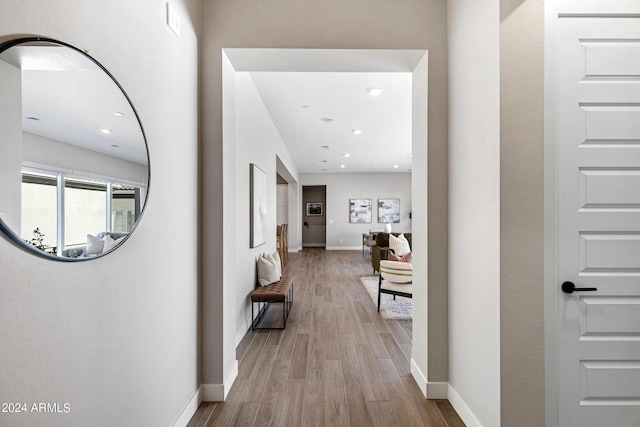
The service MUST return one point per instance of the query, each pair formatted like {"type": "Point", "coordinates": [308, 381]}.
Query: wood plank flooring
{"type": "Point", "coordinates": [337, 363]}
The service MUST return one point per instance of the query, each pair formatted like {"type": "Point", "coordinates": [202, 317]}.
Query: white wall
{"type": "Point", "coordinates": [256, 141]}
{"type": "Point", "coordinates": [341, 187]}
{"type": "Point", "coordinates": [49, 152]}
{"type": "Point", "coordinates": [282, 204]}
{"type": "Point", "coordinates": [116, 337]}
{"type": "Point", "coordinates": [11, 137]}
{"type": "Point", "coordinates": [474, 205]}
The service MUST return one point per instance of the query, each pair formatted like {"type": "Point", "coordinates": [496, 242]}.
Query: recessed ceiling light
{"type": "Point", "coordinates": [105, 130]}
{"type": "Point", "coordinates": [326, 147]}
{"type": "Point", "coordinates": [119, 114]}
{"type": "Point", "coordinates": [115, 145]}
{"type": "Point", "coordinates": [327, 119]}
{"type": "Point", "coordinates": [395, 166]}
{"type": "Point", "coordinates": [347, 155]}
{"type": "Point", "coordinates": [33, 118]}
{"type": "Point", "coordinates": [356, 131]}
{"type": "Point", "coordinates": [374, 91]}
{"type": "Point", "coordinates": [305, 106]}
{"type": "Point", "coordinates": [343, 166]}
{"type": "Point", "coordinates": [324, 170]}
{"type": "Point", "coordinates": [324, 161]}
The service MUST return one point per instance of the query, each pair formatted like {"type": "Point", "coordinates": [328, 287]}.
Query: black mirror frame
{"type": "Point", "coordinates": [6, 229]}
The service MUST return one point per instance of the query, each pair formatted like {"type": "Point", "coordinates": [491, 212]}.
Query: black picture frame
{"type": "Point", "coordinates": [315, 209]}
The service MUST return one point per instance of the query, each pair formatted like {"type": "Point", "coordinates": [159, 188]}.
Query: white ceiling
{"type": "Point", "coordinates": [316, 112]}
{"type": "Point", "coordinates": [68, 98]}
{"type": "Point", "coordinates": [316, 98]}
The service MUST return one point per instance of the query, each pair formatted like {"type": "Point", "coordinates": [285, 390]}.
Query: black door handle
{"type": "Point", "coordinates": [569, 288]}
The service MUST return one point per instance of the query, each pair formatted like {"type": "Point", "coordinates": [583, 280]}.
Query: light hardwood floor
{"type": "Point", "coordinates": [337, 363]}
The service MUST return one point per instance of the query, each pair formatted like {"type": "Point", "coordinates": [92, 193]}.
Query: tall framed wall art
{"type": "Point", "coordinates": [258, 206]}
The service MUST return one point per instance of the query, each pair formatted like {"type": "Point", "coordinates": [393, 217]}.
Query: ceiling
{"type": "Point", "coordinates": [317, 98]}
{"type": "Point", "coordinates": [68, 98]}
{"type": "Point", "coordinates": [316, 114]}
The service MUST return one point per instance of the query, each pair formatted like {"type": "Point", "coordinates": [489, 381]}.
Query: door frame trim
{"type": "Point", "coordinates": [551, 238]}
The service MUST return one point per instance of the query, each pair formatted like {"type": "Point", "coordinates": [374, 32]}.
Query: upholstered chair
{"type": "Point", "coordinates": [396, 278]}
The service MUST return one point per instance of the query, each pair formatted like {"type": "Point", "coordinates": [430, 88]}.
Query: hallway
{"type": "Point", "coordinates": [337, 363]}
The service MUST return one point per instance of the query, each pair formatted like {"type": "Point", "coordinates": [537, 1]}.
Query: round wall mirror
{"type": "Point", "coordinates": [74, 163]}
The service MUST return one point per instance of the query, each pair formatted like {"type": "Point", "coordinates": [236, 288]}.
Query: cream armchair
{"type": "Point", "coordinates": [396, 278]}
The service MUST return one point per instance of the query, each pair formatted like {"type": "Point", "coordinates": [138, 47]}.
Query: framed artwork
{"type": "Point", "coordinates": [359, 211]}
{"type": "Point", "coordinates": [389, 211]}
{"type": "Point", "coordinates": [315, 209]}
{"type": "Point", "coordinates": [258, 206]}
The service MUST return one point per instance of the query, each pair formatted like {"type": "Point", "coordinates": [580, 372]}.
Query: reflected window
{"type": "Point", "coordinates": [39, 209]}
{"type": "Point", "coordinates": [85, 207]}
{"type": "Point", "coordinates": [59, 218]}
{"type": "Point", "coordinates": [125, 207]}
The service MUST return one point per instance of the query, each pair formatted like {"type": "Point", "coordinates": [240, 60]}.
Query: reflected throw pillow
{"type": "Point", "coordinates": [110, 243]}
{"type": "Point", "coordinates": [94, 245]}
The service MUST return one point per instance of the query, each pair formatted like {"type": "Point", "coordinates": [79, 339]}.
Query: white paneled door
{"type": "Point", "coordinates": [598, 136]}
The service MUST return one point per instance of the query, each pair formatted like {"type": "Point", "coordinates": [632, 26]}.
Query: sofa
{"type": "Point", "coordinates": [381, 248]}
{"type": "Point", "coordinates": [80, 251]}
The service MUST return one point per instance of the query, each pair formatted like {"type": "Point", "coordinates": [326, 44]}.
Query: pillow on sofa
{"type": "Point", "coordinates": [267, 271]}
{"type": "Point", "coordinates": [110, 243]}
{"type": "Point", "coordinates": [400, 244]}
{"type": "Point", "coordinates": [404, 258]}
{"type": "Point", "coordinates": [94, 245]}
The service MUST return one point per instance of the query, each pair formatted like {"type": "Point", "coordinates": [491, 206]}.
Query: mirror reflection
{"type": "Point", "coordinates": [74, 166]}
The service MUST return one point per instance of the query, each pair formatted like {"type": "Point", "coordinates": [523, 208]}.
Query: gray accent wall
{"type": "Point", "coordinates": [522, 212]}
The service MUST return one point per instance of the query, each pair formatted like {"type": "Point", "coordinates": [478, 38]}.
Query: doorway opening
{"type": "Point", "coordinates": [245, 76]}
{"type": "Point", "coordinates": [314, 224]}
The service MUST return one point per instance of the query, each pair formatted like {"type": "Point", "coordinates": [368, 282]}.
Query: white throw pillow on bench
{"type": "Point", "coordinates": [268, 270]}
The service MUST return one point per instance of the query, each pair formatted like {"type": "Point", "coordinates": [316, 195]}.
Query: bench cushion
{"type": "Point", "coordinates": [276, 291]}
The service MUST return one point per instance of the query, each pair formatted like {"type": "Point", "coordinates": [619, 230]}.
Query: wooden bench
{"type": "Point", "coordinates": [275, 293]}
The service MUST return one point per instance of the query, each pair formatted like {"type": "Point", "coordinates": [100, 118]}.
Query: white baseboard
{"type": "Point", "coordinates": [419, 377]}
{"type": "Point", "coordinates": [189, 410]}
{"type": "Point", "coordinates": [344, 248]}
{"type": "Point", "coordinates": [462, 409]}
{"type": "Point", "coordinates": [430, 390]}
{"type": "Point", "coordinates": [219, 392]}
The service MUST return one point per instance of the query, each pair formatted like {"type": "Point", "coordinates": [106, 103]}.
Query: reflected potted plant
{"type": "Point", "coordinates": [37, 241]}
